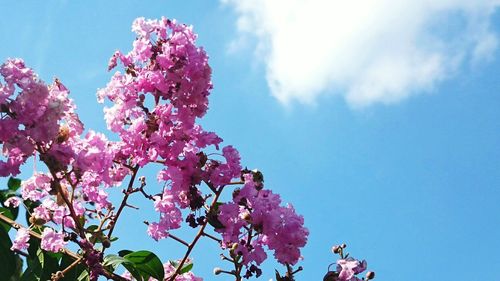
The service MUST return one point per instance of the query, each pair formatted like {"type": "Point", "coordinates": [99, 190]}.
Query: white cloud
{"type": "Point", "coordinates": [370, 51]}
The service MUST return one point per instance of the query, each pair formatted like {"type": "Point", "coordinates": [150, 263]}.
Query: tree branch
{"type": "Point", "coordinates": [65, 251]}
{"type": "Point", "coordinates": [124, 201]}
{"type": "Point", "coordinates": [197, 237]}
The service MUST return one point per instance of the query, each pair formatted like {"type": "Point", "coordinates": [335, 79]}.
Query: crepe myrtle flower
{"type": "Point", "coordinates": [347, 267]}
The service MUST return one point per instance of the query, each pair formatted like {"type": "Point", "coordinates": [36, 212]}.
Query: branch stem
{"type": "Point", "coordinates": [65, 251]}
{"type": "Point", "coordinates": [124, 201]}
{"type": "Point", "coordinates": [197, 237]}
{"type": "Point", "coordinates": [178, 240]}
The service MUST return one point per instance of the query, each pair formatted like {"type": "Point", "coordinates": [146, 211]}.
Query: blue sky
{"type": "Point", "coordinates": [380, 124]}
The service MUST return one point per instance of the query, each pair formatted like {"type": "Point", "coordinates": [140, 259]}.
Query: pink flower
{"type": "Point", "coordinates": [12, 202]}
{"type": "Point", "coordinates": [61, 215]}
{"type": "Point", "coordinates": [41, 213]}
{"type": "Point", "coordinates": [52, 241]}
{"type": "Point", "coordinates": [142, 49]}
{"type": "Point", "coordinates": [223, 173]}
{"type": "Point", "coordinates": [36, 187]}
{"type": "Point", "coordinates": [349, 267]}
{"type": "Point", "coordinates": [21, 240]}
{"type": "Point", "coordinates": [170, 217]}
{"type": "Point", "coordinates": [280, 228]}
{"type": "Point", "coordinates": [157, 231]}
{"type": "Point", "coordinates": [188, 276]}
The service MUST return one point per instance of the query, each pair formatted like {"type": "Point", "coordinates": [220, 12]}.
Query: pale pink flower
{"type": "Point", "coordinates": [21, 240]}
{"type": "Point", "coordinates": [12, 202]}
{"type": "Point", "coordinates": [349, 267]}
{"type": "Point", "coordinates": [36, 187]}
{"type": "Point", "coordinates": [52, 241]}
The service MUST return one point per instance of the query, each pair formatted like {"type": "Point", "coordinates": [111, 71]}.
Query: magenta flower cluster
{"type": "Point", "coordinates": [255, 219]}
{"type": "Point", "coordinates": [152, 105]}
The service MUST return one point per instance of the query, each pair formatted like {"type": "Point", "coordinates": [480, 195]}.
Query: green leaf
{"type": "Point", "coordinates": [19, 269]}
{"type": "Point", "coordinates": [84, 276]}
{"type": "Point", "coordinates": [113, 261]}
{"type": "Point", "coordinates": [8, 262]}
{"type": "Point", "coordinates": [51, 265]}
{"type": "Point", "coordinates": [123, 253]}
{"type": "Point", "coordinates": [14, 184]}
{"type": "Point", "coordinates": [186, 268]}
{"type": "Point", "coordinates": [146, 263]}
{"type": "Point", "coordinates": [92, 228]}
{"type": "Point", "coordinates": [33, 271]}
{"type": "Point", "coordinates": [30, 274]}
{"type": "Point", "coordinates": [134, 272]}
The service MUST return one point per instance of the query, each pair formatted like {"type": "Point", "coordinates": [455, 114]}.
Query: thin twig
{"type": "Point", "coordinates": [212, 237]}
{"type": "Point", "coordinates": [72, 212]}
{"type": "Point", "coordinates": [178, 240]}
{"type": "Point", "coordinates": [60, 274]}
{"type": "Point", "coordinates": [124, 201]}
{"type": "Point", "coordinates": [197, 237]}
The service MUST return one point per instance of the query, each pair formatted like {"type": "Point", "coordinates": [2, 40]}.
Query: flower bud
{"type": "Point", "coordinates": [247, 217]}
{"type": "Point", "coordinates": [258, 178]}
{"type": "Point", "coordinates": [63, 134]}
{"type": "Point", "coordinates": [106, 243]}
{"type": "Point", "coordinates": [370, 275]}
{"type": "Point", "coordinates": [203, 159]}
{"type": "Point", "coordinates": [343, 246]}
{"type": "Point", "coordinates": [336, 249]}
{"type": "Point", "coordinates": [217, 271]}
{"type": "Point", "coordinates": [330, 276]}
{"type": "Point", "coordinates": [37, 221]}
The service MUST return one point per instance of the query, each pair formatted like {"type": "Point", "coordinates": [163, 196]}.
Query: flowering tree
{"type": "Point", "coordinates": [154, 103]}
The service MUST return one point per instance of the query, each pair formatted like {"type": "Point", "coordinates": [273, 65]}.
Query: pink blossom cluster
{"type": "Point", "coordinates": [41, 119]}
{"type": "Point", "coordinates": [257, 214]}
{"type": "Point", "coordinates": [156, 101]}
{"type": "Point", "coordinates": [153, 107]}
{"type": "Point", "coordinates": [32, 117]}
{"type": "Point", "coordinates": [164, 66]}
{"type": "Point", "coordinates": [52, 241]}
